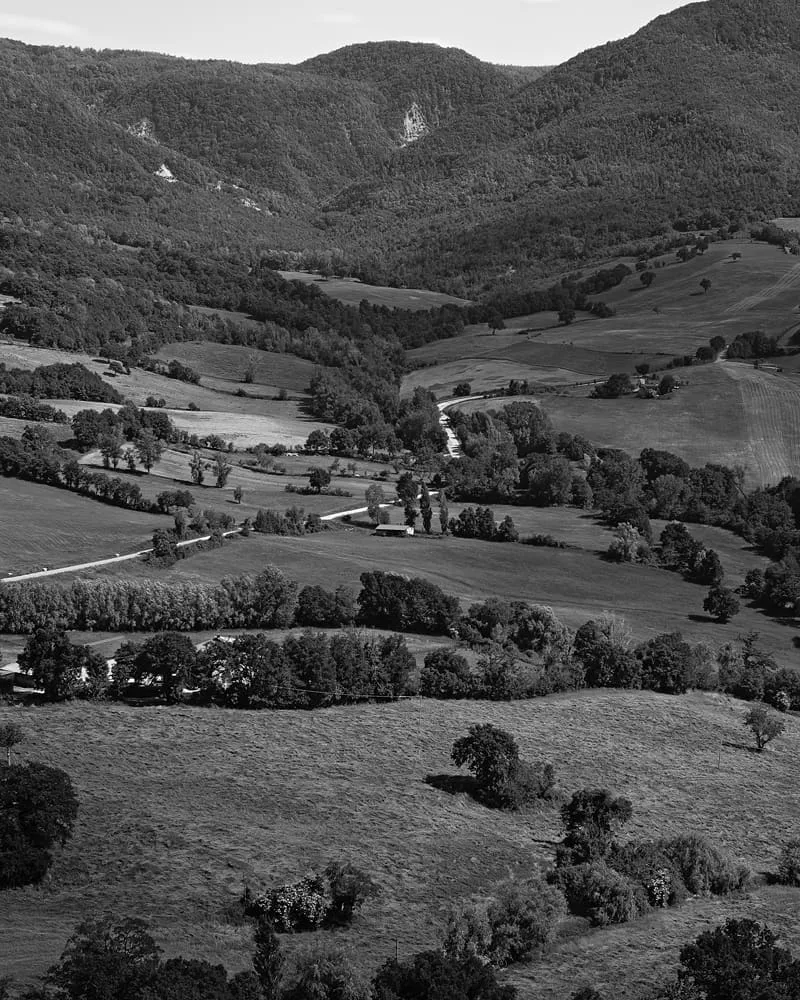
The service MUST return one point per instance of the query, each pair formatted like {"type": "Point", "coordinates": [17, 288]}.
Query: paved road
{"type": "Point", "coordinates": [453, 445]}
{"type": "Point", "coordinates": [103, 562]}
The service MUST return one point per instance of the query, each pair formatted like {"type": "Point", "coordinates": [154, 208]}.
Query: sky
{"type": "Point", "coordinates": [518, 32]}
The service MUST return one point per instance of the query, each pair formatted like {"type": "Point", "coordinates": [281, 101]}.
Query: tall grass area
{"type": "Point", "coordinates": [180, 807]}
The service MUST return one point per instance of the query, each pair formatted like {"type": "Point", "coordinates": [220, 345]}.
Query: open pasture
{"type": "Point", "coordinates": [180, 807]}
{"type": "Point", "coordinates": [672, 317]}
{"type": "Point", "coordinates": [224, 366]}
{"type": "Point", "coordinates": [259, 489]}
{"type": "Point", "coordinates": [44, 526]}
{"type": "Point", "coordinates": [246, 422]}
{"type": "Point", "coordinates": [725, 412]}
{"type": "Point", "coordinates": [675, 316]}
{"type": "Point", "coordinates": [351, 291]}
{"type": "Point", "coordinates": [11, 427]}
{"type": "Point", "coordinates": [577, 584]}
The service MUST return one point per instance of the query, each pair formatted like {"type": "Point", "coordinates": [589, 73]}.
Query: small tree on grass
{"type": "Point", "coordinates": [148, 449]}
{"type": "Point", "coordinates": [197, 468]}
{"type": "Point", "coordinates": [222, 469]}
{"type": "Point", "coordinates": [765, 725]}
{"type": "Point", "coordinates": [647, 278]}
{"type": "Point", "coordinates": [592, 817]}
{"type": "Point", "coordinates": [374, 497]}
{"type": "Point", "coordinates": [11, 734]}
{"type": "Point", "coordinates": [238, 494]}
{"type": "Point", "coordinates": [705, 284]}
{"type": "Point", "coordinates": [490, 753]}
{"type": "Point", "coordinates": [319, 479]}
{"type": "Point", "coordinates": [721, 603]}
{"type": "Point", "coordinates": [566, 316]}
{"type": "Point", "coordinates": [38, 808]}
{"type": "Point", "coordinates": [425, 508]}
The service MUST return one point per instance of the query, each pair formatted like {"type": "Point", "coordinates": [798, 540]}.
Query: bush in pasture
{"type": "Point", "coordinates": [523, 919]}
{"type": "Point", "coordinates": [326, 972]}
{"type": "Point", "coordinates": [789, 863]}
{"type": "Point", "coordinates": [544, 541]}
{"type": "Point", "coordinates": [331, 897]}
{"type": "Point", "coordinates": [432, 975]}
{"type": "Point", "coordinates": [594, 890]}
{"type": "Point", "coordinates": [765, 725]}
{"type": "Point", "coordinates": [503, 780]}
{"type": "Point", "coordinates": [628, 545]}
{"type": "Point", "coordinates": [702, 867]}
{"type": "Point", "coordinates": [648, 865]}
{"type": "Point", "coordinates": [592, 817]}
{"type": "Point", "coordinates": [38, 808]}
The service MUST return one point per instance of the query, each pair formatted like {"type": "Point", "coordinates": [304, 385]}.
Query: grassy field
{"type": "Point", "coordinates": [351, 291]}
{"type": "Point", "coordinates": [726, 412]}
{"type": "Point", "coordinates": [674, 316]}
{"type": "Point", "coordinates": [245, 421]}
{"type": "Point", "coordinates": [180, 807]}
{"type": "Point", "coordinates": [43, 526]}
{"type": "Point", "coordinates": [224, 366]}
{"type": "Point", "coordinates": [577, 584]}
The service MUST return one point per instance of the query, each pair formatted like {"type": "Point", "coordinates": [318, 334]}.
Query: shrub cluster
{"type": "Point", "coordinates": [328, 898]}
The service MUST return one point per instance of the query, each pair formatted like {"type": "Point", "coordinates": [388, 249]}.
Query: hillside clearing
{"type": "Point", "coordinates": [351, 291]}
{"type": "Point", "coordinates": [726, 412]}
{"type": "Point", "coordinates": [44, 526]}
{"type": "Point", "coordinates": [262, 797]}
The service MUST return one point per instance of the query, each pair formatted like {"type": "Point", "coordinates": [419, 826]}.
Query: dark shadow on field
{"type": "Point", "coordinates": [453, 784]}
{"type": "Point", "coordinates": [702, 619]}
{"type": "Point", "coordinates": [741, 746]}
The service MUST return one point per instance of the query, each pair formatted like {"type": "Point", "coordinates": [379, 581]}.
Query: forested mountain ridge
{"type": "Point", "coordinates": [415, 163]}
{"type": "Point", "coordinates": [695, 117]}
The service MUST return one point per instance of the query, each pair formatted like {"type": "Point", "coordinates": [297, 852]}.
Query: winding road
{"type": "Point", "coordinates": [453, 450]}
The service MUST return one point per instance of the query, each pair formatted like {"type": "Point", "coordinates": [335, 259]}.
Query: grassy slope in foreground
{"type": "Point", "coordinates": [180, 806]}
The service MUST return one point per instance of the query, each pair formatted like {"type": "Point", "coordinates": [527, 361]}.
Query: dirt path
{"type": "Point", "coordinates": [105, 562]}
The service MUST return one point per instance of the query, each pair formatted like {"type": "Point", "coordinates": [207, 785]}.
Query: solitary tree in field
{"type": "Point", "coordinates": [566, 316]}
{"type": "Point", "coordinates": [148, 449]}
{"type": "Point", "coordinates": [319, 479]}
{"type": "Point", "coordinates": [765, 725]}
{"type": "Point", "coordinates": [495, 321]}
{"type": "Point", "coordinates": [705, 284]}
{"type": "Point", "coordinates": [238, 494]}
{"type": "Point", "coordinates": [721, 603]}
{"type": "Point", "coordinates": [647, 278]}
{"type": "Point", "coordinates": [736, 255]}
{"type": "Point", "coordinates": [11, 733]}
{"type": "Point", "coordinates": [197, 468]}
{"type": "Point", "coordinates": [222, 469]}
